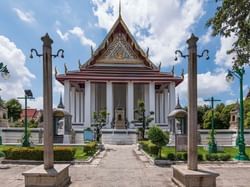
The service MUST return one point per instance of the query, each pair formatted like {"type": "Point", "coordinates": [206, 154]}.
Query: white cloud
{"type": "Point", "coordinates": [209, 84]}
{"type": "Point", "coordinates": [161, 25]}
{"type": "Point", "coordinates": [206, 38]}
{"type": "Point", "coordinates": [79, 33]}
{"type": "Point", "coordinates": [221, 57]}
{"type": "Point", "coordinates": [20, 76]}
{"type": "Point", "coordinates": [230, 101]}
{"type": "Point", "coordinates": [24, 16]}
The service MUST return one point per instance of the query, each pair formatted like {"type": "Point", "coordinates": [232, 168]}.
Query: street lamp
{"type": "Point", "coordinates": [28, 95]}
{"type": "Point", "coordinates": [212, 147]}
{"type": "Point", "coordinates": [6, 75]}
{"type": "Point", "coordinates": [239, 73]}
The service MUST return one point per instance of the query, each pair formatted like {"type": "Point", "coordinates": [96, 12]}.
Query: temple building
{"type": "Point", "coordinates": [117, 75]}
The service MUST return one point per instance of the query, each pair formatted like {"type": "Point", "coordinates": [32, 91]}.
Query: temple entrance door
{"type": "Point", "coordinates": [120, 100]}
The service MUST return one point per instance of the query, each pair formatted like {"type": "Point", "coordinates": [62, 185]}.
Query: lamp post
{"type": "Point", "coordinates": [5, 74]}
{"type": "Point", "coordinates": [27, 95]}
{"type": "Point", "coordinates": [212, 147]}
{"type": "Point", "coordinates": [192, 98]}
{"type": "Point", "coordinates": [239, 73]}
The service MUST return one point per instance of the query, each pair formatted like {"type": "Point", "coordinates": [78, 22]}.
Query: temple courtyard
{"type": "Point", "coordinates": [120, 166]}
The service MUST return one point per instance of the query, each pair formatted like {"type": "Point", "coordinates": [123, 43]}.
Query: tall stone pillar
{"type": "Point", "coordinates": [192, 103]}
{"type": "Point", "coordinates": [172, 96]}
{"type": "Point", "coordinates": [109, 101]}
{"type": "Point", "coordinates": [77, 96]}
{"type": "Point", "coordinates": [161, 99]}
{"type": "Point", "coordinates": [146, 98]}
{"type": "Point", "coordinates": [152, 98]}
{"type": "Point", "coordinates": [67, 95]}
{"type": "Point", "coordinates": [93, 99]}
{"type": "Point", "coordinates": [130, 101]}
{"type": "Point", "coordinates": [47, 103]}
{"type": "Point", "coordinates": [87, 104]}
{"type": "Point", "coordinates": [82, 106]}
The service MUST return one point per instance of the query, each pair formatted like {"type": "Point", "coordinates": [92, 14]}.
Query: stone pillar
{"type": "Point", "coordinates": [67, 95]}
{"type": "Point", "coordinates": [109, 101]}
{"type": "Point", "coordinates": [82, 105]}
{"type": "Point", "coordinates": [192, 103]}
{"type": "Point", "coordinates": [77, 96]}
{"type": "Point", "coordinates": [73, 106]}
{"type": "Point", "coordinates": [47, 103]}
{"type": "Point", "coordinates": [87, 104]}
{"type": "Point", "coordinates": [166, 105]}
{"type": "Point", "coordinates": [130, 101]}
{"type": "Point", "coordinates": [172, 96]}
{"type": "Point", "coordinates": [161, 107]}
{"type": "Point", "coordinates": [157, 107]}
{"type": "Point", "coordinates": [152, 98]}
{"type": "Point", "coordinates": [93, 99]}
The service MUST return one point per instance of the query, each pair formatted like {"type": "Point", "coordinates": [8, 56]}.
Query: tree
{"type": "Point", "coordinates": [100, 119]}
{"type": "Point", "coordinates": [225, 116]}
{"type": "Point", "coordinates": [233, 19]}
{"type": "Point", "coordinates": [207, 120]}
{"type": "Point", "coordinates": [201, 111]}
{"type": "Point", "coordinates": [145, 120]}
{"type": "Point", "coordinates": [158, 137]}
{"type": "Point", "coordinates": [14, 109]}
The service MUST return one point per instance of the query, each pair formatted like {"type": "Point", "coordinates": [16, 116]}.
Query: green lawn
{"type": "Point", "coordinates": [79, 154]}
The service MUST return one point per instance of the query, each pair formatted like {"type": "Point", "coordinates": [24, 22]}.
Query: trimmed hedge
{"type": "Point", "coordinates": [90, 148]}
{"type": "Point", "coordinates": [149, 147]}
{"type": "Point", "coordinates": [218, 157]}
{"type": "Point", "coordinates": [36, 153]}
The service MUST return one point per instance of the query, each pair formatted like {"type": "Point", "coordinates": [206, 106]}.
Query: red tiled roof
{"type": "Point", "coordinates": [31, 113]}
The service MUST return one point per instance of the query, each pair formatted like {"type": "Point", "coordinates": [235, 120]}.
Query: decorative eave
{"type": "Point", "coordinates": [105, 42]}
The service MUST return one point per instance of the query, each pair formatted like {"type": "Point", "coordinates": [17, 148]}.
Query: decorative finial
{"type": "Point", "coordinates": [65, 68]}
{"type": "Point", "coordinates": [55, 71]}
{"type": "Point", "coordinates": [182, 74]}
{"type": "Point", "coordinates": [159, 67]}
{"type": "Point", "coordinates": [79, 64]}
{"type": "Point", "coordinates": [147, 51]}
{"type": "Point", "coordinates": [92, 50]}
{"type": "Point", "coordinates": [178, 105]}
{"type": "Point", "coordinates": [60, 105]}
{"type": "Point", "coordinates": [119, 8]}
{"type": "Point", "coordinates": [172, 70]}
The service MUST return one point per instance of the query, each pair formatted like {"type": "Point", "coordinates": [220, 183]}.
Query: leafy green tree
{"type": "Point", "coordinates": [207, 120]}
{"type": "Point", "coordinates": [225, 116]}
{"type": "Point", "coordinates": [201, 111]}
{"type": "Point", "coordinates": [100, 119]}
{"type": "Point", "coordinates": [219, 107]}
{"type": "Point", "coordinates": [14, 109]}
{"type": "Point", "coordinates": [158, 137]}
{"type": "Point", "coordinates": [232, 18]}
{"type": "Point", "coordinates": [2, 102]}
{"type": "Point", "coordinates": [145, 120]}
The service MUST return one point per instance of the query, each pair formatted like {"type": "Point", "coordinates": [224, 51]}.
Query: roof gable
{"type": "Point", "coordinates": [119, 47]}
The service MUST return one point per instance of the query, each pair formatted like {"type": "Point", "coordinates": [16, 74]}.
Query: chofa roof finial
{"type": "Point", "coordinates": [119, 8]}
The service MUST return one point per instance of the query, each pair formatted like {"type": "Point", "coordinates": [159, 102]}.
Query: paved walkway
{"type": "Point", "coordinates": [120, 167]}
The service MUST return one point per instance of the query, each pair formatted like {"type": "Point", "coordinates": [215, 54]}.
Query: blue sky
{"type": "Point", "coordinates": [75, 26]}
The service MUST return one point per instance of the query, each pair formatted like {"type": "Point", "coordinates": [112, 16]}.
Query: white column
{"type": "Point", "coordinates": [109, 101]}
{"type": "Point", "coordinates": [130, 101]}
{"type": "Point", "coordinates": [161, 107]}
{"type": "Point", "coordinates": [93, 99]}
{"type": "Point", "coordinates": [146, 98]}
{"type": "Point", "coordinates": [77, 107]}
{"type": "Point", "coordinates": [152, 98]}
{"type": "Point", "coordinates": [166, 105]}
{"type": "Point", "coordinates": [67, 95]}
{"type": "Point", "coordinates": [72, 108]}
{"type": "Point", "coordinates": [157, 107]}
{"type": "Point", "coordinates": [82, 105]}
{"type": "Point", "coordinates": [172, 96]}
{"type": "Point", "coordinates": [87, 104]}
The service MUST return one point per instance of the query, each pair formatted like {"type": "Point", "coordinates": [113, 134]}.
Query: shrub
{"type": "Point", "coordinates": [90, 147]}
{"type": "Point", "coordinates": [171, 156]}
{"type": "Point", "coordinates": [144, 145]}
{"type": "Point", "coordinates": [179, 156]}
{"type": "Point", "coordinates": [200, 157]}
{"type": "Point", "coordinates": [36, 153]}
{"type": "Point", "coordinates": [185, 156]}
{"type": "Point", "coordinates": [153, 149]}
{"type": "Point", "coordinates": [224, 157]}
{"type": "Point", "coordinates": [212, 157]}
{"type": "Point", "coordinates": [158, 137]}
{"type": "Point", "coordinates": [2, 154]}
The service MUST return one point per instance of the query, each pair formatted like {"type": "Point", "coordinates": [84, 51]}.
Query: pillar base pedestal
{"type": "Point", "coordinates": [189, 178]}
{"type": "Point", "coordinates": [55, 177]}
